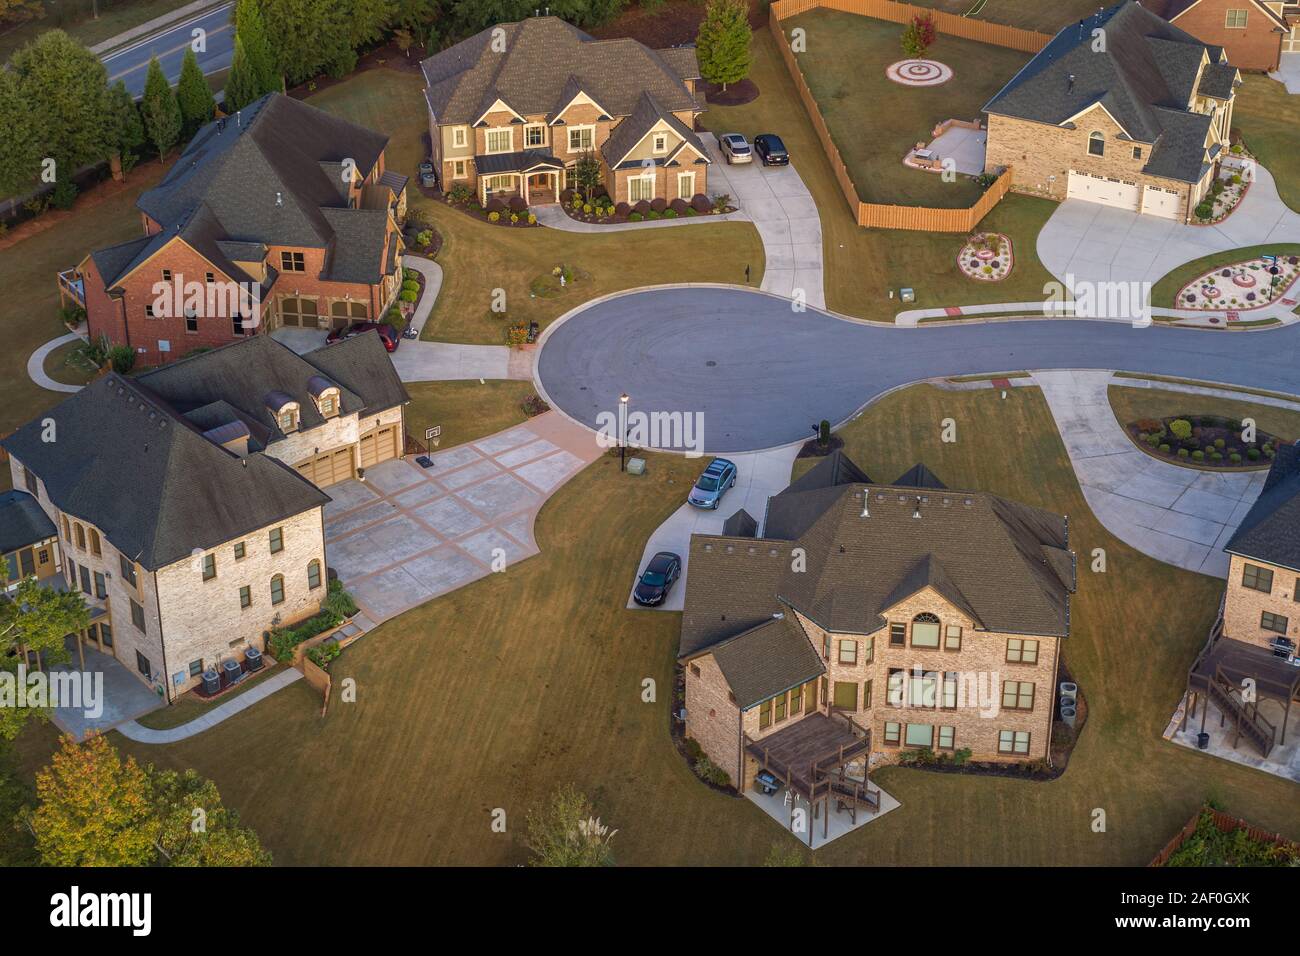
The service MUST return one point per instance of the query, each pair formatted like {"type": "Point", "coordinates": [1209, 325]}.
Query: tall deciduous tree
{"type": "Point", "coordinates": [722, 45]}
{"type": "Point", "coordinates": [195, 828]}
{"type": "Point", "coordinates": [35, 620]}
{"type": "Point", "coordinates": [65, 88]}
{"type": "Point", "coordinates": [20, 11]}
{"type": "Point", "coordinates": [250, 28]}
{"type": "Point", "coordinates": [193, 95]}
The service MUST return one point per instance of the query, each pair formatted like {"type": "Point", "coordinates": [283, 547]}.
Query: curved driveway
{"type": "Point", "coordinates": [761, 375]}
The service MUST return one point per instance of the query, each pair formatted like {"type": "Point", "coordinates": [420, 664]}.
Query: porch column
{"type": "Point", "coordinates": [81, 653]}
{"type": "Point", "coordinates": [523, 190]}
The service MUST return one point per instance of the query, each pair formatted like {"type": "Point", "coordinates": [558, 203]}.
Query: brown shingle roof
{"type": "Point", "coordinates": [767, 659]}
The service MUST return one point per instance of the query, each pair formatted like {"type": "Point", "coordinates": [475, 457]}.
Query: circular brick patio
{"type": "Point", "coordinates": [919, 72]}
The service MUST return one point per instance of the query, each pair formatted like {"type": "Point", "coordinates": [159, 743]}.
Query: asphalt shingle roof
{"type": "Point", "coordinates": [22, 521]}
{"type": "Point", "coordinates": [767, 659]}
{"type": "Point", "coordinates": [647, 114]}
{"type": "Point", "coordinates": [1270, 532]}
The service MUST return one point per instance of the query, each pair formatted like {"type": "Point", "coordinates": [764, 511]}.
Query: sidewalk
{"type": "Point", "coordinates": [132, 730]}
{"type": "Point", "coordinates": [1188, 318]}
{"type": "Point", "coordinates": [36, 364]}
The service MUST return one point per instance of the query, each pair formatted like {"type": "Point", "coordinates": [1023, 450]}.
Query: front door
{"type": "Point", "coordinates": [541, 188]}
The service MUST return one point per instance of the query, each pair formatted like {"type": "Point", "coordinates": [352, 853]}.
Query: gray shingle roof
{"type": "Point", "coordinates": [126, 462]}
{"type": "Point", "coordinates": [740, 525]}
{"type": "Point", "coordinates": [360, 365]}
{"type": "Point", "coordinates": [545, 61]}
{"type": "Point", "coordinates": [1218, 81]}
{"type": "Point", "coordinates": [1270, 532]}
{"type": "Point", "coordinates": [1144, 78]}
{"type": "Point", "coordinates": [628, 133]}
{"type": "Point", "coordinates": [517, 162]}
{"type": "Point", "coordinates": [1006, 564]}
{"type": "Point", "coordinates": [767, 659]}
{"type": "Point", "coordinates": [22, 522]}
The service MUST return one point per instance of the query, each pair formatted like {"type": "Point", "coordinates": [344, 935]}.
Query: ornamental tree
{"type": "Point", "coordinates": [722, 45]}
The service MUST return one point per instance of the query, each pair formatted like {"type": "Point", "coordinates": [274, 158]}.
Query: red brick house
{"type": "Point", "coordinates": [278, 215]}
{"type": "Point", "coordinates": [1252, 32]}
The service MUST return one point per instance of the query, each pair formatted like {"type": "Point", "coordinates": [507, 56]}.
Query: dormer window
{"type": "Point", "coordinates": [325, 393]}
{"type": "Point", "coordinates": [328, 406]}
{"type": "Point", "coordinates": [1096, 144]}
{"type": "Point", "coordinates": [287, 419]}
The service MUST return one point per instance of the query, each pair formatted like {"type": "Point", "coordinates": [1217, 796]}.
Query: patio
{"type": "Point", "coordinates": [777, 806]}
{"type": "Point", "coordinates": [1283, 760]}
{"type": "Point", "coordinates": [124, 696]}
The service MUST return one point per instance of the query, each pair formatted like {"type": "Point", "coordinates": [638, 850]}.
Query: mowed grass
{"type": "Point", "coordinates": [1041, 15]}
{"type": "Point", "coordinates": [875, 121]}
{"type": "Point", "coordinates": [1267, 118]}
{"type": "Point", "coordinates": [495, 694]}
{"type": "Point", "coordinates": [862, 265]}
{"type": "Point", "coordinates": [466, 410]}
{"type": "Point", "coordinates": [191, 707]}
{"type": "Point", "coordinates": [1131, 404]}
{"type": "Point", "coordinates": [1165, 292]}
{"type": "Point", "coordinates": [478, 258]}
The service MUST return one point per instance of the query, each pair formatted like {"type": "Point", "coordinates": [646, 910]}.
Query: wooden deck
{"type": "Point", "coordinates": [1220, 675]}
{"type": "Point", "coordinates": [806, 752]}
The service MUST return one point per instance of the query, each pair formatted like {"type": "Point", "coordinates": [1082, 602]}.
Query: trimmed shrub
{"type": "Point", "coordinates": [1180, 428]}
{"type": "Point", "coordinates": [408, 296]}
{"type": "Point", "coordinates": [1218, 443]}
{"type": "Point", "coordinates": [1235, 458]}
{"type": "Point", "coordinates": [642, 207]}
{"type": "Point", "coordinates": [681, 205]}
{"type": "Point", "coordinates": [1198, 455]}
{"type": "Point", "coordinates": [494, 216]}
{"type": "Point", "coordinates": [495, 205]}
{"type": "Point", "coordinates": [659, 204]}
{"type": "Point", "coordinates": [635, 217]}
{"type": "Point", "coordinates": [1253, 454]}
{"type": "Point", "coordinates": [700, 203]}
{"type": "Point", "coordinates": [518, 203]}
{"type": "Point", "coordinates": [1165, 449]}
{"type": "Point", "coordinates": [670, 213]}
{"type": "Point", "coordinates": [64, 194]}
{"type": "Point", "coordinates": [1183, 453]}
{"type": "Point", "coordinates": [622, 209]}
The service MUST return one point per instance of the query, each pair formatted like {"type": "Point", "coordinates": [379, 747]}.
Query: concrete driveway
{"type": "Point", "coordinates": [408, 534]}
{"type": "Point", "coordinates": [1182, 516]}
{"type": "Point", "coordinates": [778, 203]}
{"type": "Point", "coordinates": [759, 475]}
{"type": "Point", "coordinates": [1288, 72]}
{"type": "Point", "coordinates": [1097, 243]}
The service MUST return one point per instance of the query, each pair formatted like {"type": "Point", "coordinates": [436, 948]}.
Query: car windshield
{"type": "Point", "coordinates": [707, 483]}
{"type": "Point", "coordinates": [740, 147]}
{"type": "Point", "coordinates": [652, 578]}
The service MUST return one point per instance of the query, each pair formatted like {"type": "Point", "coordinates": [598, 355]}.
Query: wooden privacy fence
{"type": "Point", "coordinates": [1225, 824]}
{"type": "Point", "coordinates": [885, 215]}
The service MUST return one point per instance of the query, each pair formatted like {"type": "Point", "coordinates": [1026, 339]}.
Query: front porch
{"type": "Point", "coordinates": [535, 177]}
{"type": "Point", "coordinates": [797, 774]}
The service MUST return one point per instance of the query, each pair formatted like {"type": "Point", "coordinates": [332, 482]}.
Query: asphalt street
{"type": "Point", "coordinates": [130, 63]}
{"type": "Point", "coordinates": [761, 376]}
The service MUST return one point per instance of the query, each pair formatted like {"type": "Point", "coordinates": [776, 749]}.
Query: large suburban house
{"type": "Point", "coordinates": [512, 110]}
{"type": "Point", "coordinates": [1254, 33]}
{"type": "Point", "coordinates": [189, 500]}
{"type": "Point", "coordinates": [1122, 109]}
{"type": "Point", "coordinates": [29, 542]}
{"type": "Point", "coordinates": [906, 615]}
{"type": "Point", "coordinates": [282, 202]}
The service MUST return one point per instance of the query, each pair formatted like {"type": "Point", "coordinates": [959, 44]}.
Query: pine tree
{"type": "Point", "coordinates": [250, 29]}
{"type": "Point", "coordinates": [241, 83]}
{"type": "Point", "coordinates": [193, 95]}
{"type": "Point", "coordinates": [128, 128]}
{"type": "Point", "coordinates": [159, 109]}
{"type": "Point", "coordinates": [722, 45]}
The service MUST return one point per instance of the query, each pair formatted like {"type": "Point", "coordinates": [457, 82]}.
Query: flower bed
{"type": "Point", "coordinates": [602, 210]}
{"type": "Point", "coordinates": [1252, 284]}
{"type": "Point", "coordinates": [1203, 441]}
{"type": "Point", "coordinates": [986, 256]}
{"type": "Point", "coordinates": [512, 212]}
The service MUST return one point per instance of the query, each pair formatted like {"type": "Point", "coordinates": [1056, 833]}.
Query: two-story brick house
{"type": "Point", "coordinates": [929, 618]}
{"type": "Point", "coordinates": [280, 214]}
{"type": "Point", "coordinates": [1254, 33]}
{"type": "Point", "coordinates": [184, 498]}
{"type": "Point", "coordinates": [1123, 109]}
{"type": "Point", "coordinates": [512, 110]}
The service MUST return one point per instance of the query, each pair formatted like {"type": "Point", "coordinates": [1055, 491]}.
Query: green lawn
{"type": "Point", "coordinates": [493, 695]}
{"type": "Point", "coordinates": [74, 17]}
{"type": "Point", "coordinates": [478, 258]}
{"type": "Point", "coordinates": [466, 410]}
{"type": "Point", "coordinates": [862, 265]}
{"type": "Point", "coordinates": [1131, 404]}
{"type": "Point", "coordinates": [191, 707]}
{"type": "Point", "coordinates": [68, 364]}
{"type": "Point", "coordinates": [1046, 17]}
{"type": "Point", "coordinates": [875, 121]}
{"type": "Point", "coordinates": [1267, 118]}
{"type": "Point", "coordinates": [1166, 290]}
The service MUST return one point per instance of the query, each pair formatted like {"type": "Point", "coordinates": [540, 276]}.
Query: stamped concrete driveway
{"type": "Point", "coordinates": [408, 534]}
{"type": "Point", "coordinates": [1182, 516]}
{"type": "Point", "coordinates": [1097, 243]}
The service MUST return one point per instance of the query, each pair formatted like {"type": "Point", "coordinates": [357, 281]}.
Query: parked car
{"type": "Point", "coordinates": [713, 484]}
{"type": "Point", "coordinates": [428, 178]}
{"type": "Point", "coordinates": [735, 149]}
{"type": "Point", "coordinates": [387, 334]}
{"type": "Point", "coordinates": [771, 150]}
{"type": "Point", "coordinates": [657, 579]}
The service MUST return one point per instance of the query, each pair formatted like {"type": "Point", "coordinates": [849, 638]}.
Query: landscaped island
{"type": "Point", "coordinates": [1211, 441]}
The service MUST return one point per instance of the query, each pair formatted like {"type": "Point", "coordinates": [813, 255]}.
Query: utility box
{"type": "Point", "coordinates": [907, 295]}
{"type": "Point", "coordinates": [636, 466]}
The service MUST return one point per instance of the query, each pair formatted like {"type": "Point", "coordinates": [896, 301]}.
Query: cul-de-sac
{"type": "Point", "coordinates": [650, 433]}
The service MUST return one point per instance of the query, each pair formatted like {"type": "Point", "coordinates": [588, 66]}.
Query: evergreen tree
{"type": "Point", "coordinates": [722, 45]}
{"type": "Point", "coordinates": [241, 82]}
{"type": "Point", "coordinates": [128, 128]}
{"type": "Point", "coordinates": [250, 29]}
{"type": "Point", "coordinates": [193, 95]}
{"type": "Point", "coordinates": [159, 109]}
{"type": "Point", "coordinates": [19, 152]}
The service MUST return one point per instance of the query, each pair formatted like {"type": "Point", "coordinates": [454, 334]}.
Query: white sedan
{"type": "Point", "coordinates": [735, 149]}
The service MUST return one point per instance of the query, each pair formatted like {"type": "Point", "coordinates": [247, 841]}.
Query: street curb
{"type": "Point", "coordinates": [153, 26]}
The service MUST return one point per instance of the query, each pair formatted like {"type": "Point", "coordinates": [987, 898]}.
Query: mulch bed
{"type": "Point", "coordinates": [736, 94]}
{"type": "Point", "coordinates": [1205, 430]}
{"type": "Point", "coordinates": [431, 250]}
{"type": "Point", "coordinates": [675, 23]}
{"type": "Point", "coordinates": [813, 448]}
{"type": "Point", "coordinates": [677, 728]}
{"type": "Point", "coordinates": [386, 57]}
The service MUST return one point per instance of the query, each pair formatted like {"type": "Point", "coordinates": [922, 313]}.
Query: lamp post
{"type": "Point", "coordinates": [622, 432]}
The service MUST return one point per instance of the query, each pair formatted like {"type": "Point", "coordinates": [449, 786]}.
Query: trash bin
{"type": "Point", "coordinates": [1068, 715]}
{"type": "Point", "coordinates": [1202, 741]}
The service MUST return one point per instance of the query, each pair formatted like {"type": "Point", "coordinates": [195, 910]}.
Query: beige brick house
{"type": "Point", "coordinates": [188, 500]}
{"type": "Point", "coordinates": [1122, 109]}
{"type": "Point", "coordinates": [513, 109]}
{"type": "Point", "coordinates": [891, 616]}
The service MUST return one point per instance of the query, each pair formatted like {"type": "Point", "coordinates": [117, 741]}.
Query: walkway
{"type": "Point", "coordinates": [1288, 73]}
{"type": "Point", "coordinates": [36, 364]}
{"type": "Point", "coordinates": [432, 273]}
{"type": "Point", "coordinates": [1188, 318]}
{"type": "Point", "coordinates": [1182, 516]}
{"type": "Point", "coordinates": [145, 735]}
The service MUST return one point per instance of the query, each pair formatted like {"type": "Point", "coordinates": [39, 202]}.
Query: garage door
{"type": "Point", "coordinates": [1161, 202]}
{"type": "Point", "coordinates": [327, 469]}
{"type": "Point", "coordinates": [1098, 189]}
{"type": "Point", "coordinates": [300, 313]}
{"type": "Point", "coordinates": [378, 445]}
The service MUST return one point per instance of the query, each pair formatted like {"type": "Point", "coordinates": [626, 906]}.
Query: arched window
{"type": "Point", "coordinates": [81, 536]}
{"type": "Point", "coordinates": [67, 528]}
{"type": "Point", "coordinates": [94, 542]}
{"type": "Point", "coordinates": [1096, 143]}
{"type": "Point", "coordinates": [313, 574]}
{"type": "Point", "coordinates": [277, 589]}
{"type": "Point", "coordinates": [925, 631]}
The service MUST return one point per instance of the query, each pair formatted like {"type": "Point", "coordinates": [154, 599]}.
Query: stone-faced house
{"type": "Point", "coordinates": [512, 109]}
{"type": "Point", "coordinates": [930, 618]}
{"type": "Point", "coordinates": [1254, 33]}
{"type": "Point", "coordinates": [185, 501]}
{"type": "Point", "coordinates": [1122, 109]}
{"type": "Point", "coordinates": [293, 205]}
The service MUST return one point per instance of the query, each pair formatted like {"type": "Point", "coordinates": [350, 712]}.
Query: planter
{"type": "Point", "coordinates": [1251, 284]}
{"type": "Point", "coordinates": [986, 257]}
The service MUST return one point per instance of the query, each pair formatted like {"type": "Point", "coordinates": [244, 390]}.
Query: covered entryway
{"type": "Point", "coordinates": [1099, 189]}
{"type": "Point", "coordinates": [329, 468]}
{"type": "Point", "coordinates": [378, 445]}
{"type": "Point", "coordinates": [1166, 203]}
{"type": "Point", "coordinates": [297, 312]}
{"type": "Point", "coordinates": [542, 188]}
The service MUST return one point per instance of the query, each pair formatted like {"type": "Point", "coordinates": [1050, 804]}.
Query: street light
{"type": "Point", "coordinates": [622, 432]}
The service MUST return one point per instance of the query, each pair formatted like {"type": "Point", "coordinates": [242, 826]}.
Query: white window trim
{"type": "Point", "coordinates": [579, 129]}
{"type": "Point", "coordinates": [460, 136]}
{"type": "Point", "coordinates": [487, 139]}
{"type": "Point", "coordinates": [644, 177]}
{"type": "Point", "coordinates": [541, 127]}
{"type": "Point", "coordinates": [680, 177]}
{"type": "Point", "coordinates": [656, 137]}
{"type": "Point", "coordinates": [1227, 18]}
{"type": "Point", "coordinates": [459, 169]}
